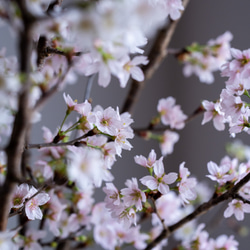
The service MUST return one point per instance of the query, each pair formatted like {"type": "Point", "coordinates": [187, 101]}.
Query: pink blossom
{"type": "Point", "coordinates": [130, 67]}
{"type": "Point", "coordinates": [169, 208]}
{"type": "Point", "coordinates": [161, 180]}
{"type": "Point", "coordinates": [146, 162]}
{"type": "Point", "coordinates": [121, 141]}
{"type": "Point", "coordinates": [225, 242]}
{"type": "Point", "coordinates": [55, 152]}
{"type": "Point", "coordinates": [108, 121]}
{"type": "Point", "coordinates": [219, 173]}
{"type": "Point", "coordinates": [112, 195]}
{"type": "Point", "coordinates": [32, 209]}
{"type": "Point", "coordinates": [86, 167]}
{"type": "Point", "coordinates": [105, 235]}
{"type": "Point", "coordinates": [70, 103]}
{"type": "Point", "coordinates": [20, 195]}
{"type": "Point", "coordinates": [238, 65]}
{"type": "Point", "coordinates": [87, 118]}
{"type": "Point", "coordinates": [187, 185]}
{"type": "Point", "coordinates": [232, 106]}
{"type": "Point", "coordinates": [109, 152]}
{"type": "Point", "coordinates": [30, 241]}
{"type": "Point", "coordinates": [201, 237]}
{"type": "Point", "coordinates": [172, 7]}
{"type": "Point", "coordinates": [6, 240]}
{"type": "Point", "coordinates": [213, 112]}
{"type": "Point", "coordinates": [132, 195]}
{"type": "Point", "coordinates": [42, 171]}
{"type": "Point", "coordinates": [170, 113]}
{"type": "Point", "coordinates": [55, 209]}
{"type": "Point", "coordinates": [238, 208]}
{"type": "Point", "coordinates": [67, 224]}
{"type": "Point", "coordinates": [168, 140]}
{"type": "Point", "coordinates": [134, 236]}
{"type": "Point", "coordinates": [200, 65]}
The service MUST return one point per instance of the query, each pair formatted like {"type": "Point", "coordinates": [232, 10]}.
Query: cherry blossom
{"type": "Point", "coordinates": [220, 174]}
{"type": "Point", "coordinates": [85, 167]}
{"type": "Point", "coordinates": [20, 195]}
{"type": "Point", "coordinates": [6, 240]}
{"type": "Point", "coordinates": [170, 113]}
{"type": "Point", "coordinates": [213, 111]}
{"type": "Point", "coordinates": [168, 139]}
{"type": "Point", "coordinates": [187, 185]}
{"type": "Point", "coordinates": [32, 209]}
{"type": "Point", "coordinates": [161, 180]}
{"type": "Point", "coordinates": [30, 240]}
{"type": "Point", "coordinates": [146, 162]}
{"type": "Point", "coordinates": [132, 195]}
{"type": "Point", "coordinates": [238, 208]}
{"type": "Point", "coordinates": [112, 195]}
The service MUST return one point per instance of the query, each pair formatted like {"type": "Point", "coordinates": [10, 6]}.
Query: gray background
{"type": "Point", "coordinates": [198, 144]}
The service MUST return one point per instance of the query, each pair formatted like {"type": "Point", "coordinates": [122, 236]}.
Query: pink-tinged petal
{"type": "Point", "coordinates": [170, 178]}
{"type": "Point", "coordinates": [140, 160]}
{"type": "Point", "coordinates": [159, 167]}
{"type": "Point", "coordinates": [163, 188]}
{"type": "Point", "coordinates": [207, 117]}
{"type": "Point", "coordinates": [42, 198]}
{"type": "Point", "coordinates": [239, 214]}
{"type": "Point", "coordinates": [150, 182]}
{"type": "Point", "coordinates": [104, 77]}
{"type": "Point", "coordinates": [212, 167]}
{"type": "Point", "coordinates": [208, 105]}
{"type": "Point", "coordinates": [139, 60]}
{"type": "Point", "coordinates": [246, 208]}
{"type": "Point", "coordinates": [137, 74]}
{"type": "Point", "coordinates": [152, 156]}
{"type": "Point", "coordinates": [219, 122]}
{"type": "Point", "coordinates": [236, 53]}
{"type": "Point", "coordinates": [228, 212]}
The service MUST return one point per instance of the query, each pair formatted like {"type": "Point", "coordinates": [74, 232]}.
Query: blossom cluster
{"type": "Point", "coordinates": [31, 199]}
{"type": "Point", "coordinates": [107, 32]}
{"type": "Point", "coordinates": [230, 172]}
{"type": "Point", "coordinates": [232, 107]}
{"type": "Point", "coordinates": [203, 60]}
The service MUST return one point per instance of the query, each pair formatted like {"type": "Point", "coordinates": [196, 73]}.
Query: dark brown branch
{"type": "Point", "coordinates": [156, 56]}
{"type": "Point", "coordinates": [14, 148]}
{"type": "Point", "coordinates": [215, 200]}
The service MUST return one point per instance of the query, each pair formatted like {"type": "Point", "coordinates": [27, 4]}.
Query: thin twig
{"type": "Point", "coordinates": [74, 142]}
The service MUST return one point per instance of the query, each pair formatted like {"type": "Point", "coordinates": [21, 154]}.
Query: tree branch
{"type": "Point", "coordinates": [74, 142]}
{"type": "Point", "coordinates": [203, 208]}
{"type": "Point", "coordinates": [156, 56]}
{"type": "Point", "coordinates": [15, 147]}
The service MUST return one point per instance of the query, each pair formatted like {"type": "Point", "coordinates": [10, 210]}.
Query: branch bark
{"type": "Point", "coordinates": [15, 147]}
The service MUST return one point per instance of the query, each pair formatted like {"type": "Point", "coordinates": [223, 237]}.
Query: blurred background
{"type": "Point", "coordinates": [202, 20]}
